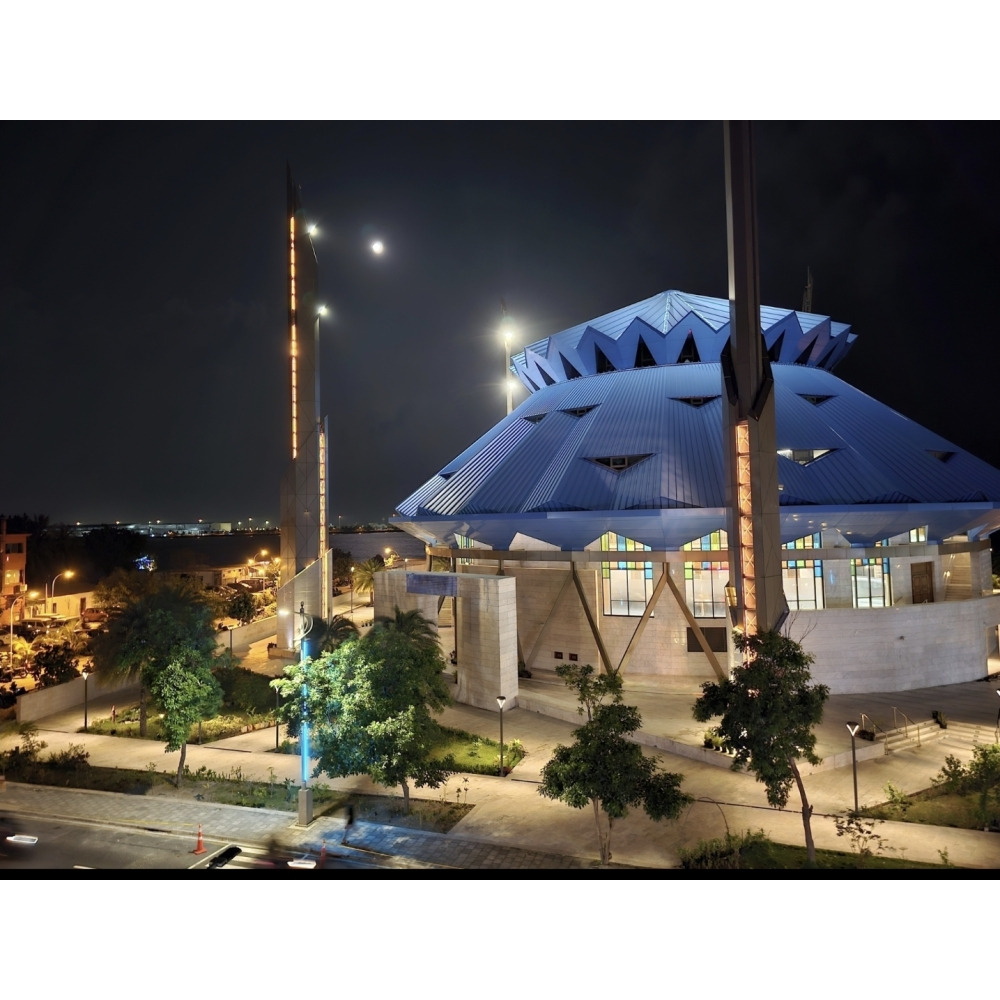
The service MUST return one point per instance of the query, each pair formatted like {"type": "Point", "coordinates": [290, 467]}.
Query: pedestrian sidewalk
{"type": "Point", "coordinates": [512, 826]}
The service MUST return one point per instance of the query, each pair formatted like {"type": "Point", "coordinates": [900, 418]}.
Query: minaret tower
{"type": "Point", "coordinates": [305, 570]}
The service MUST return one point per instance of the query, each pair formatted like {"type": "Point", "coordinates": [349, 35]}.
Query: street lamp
{"type": "Point", "coordinates": [86, 676]}
{"type": "Point", "coordinates": [500, 703]}
{"type": "Point", "coordinates": [852, 728]}
{"type": "Point", "coordinates": [66, 573]}
{"type": "Point", "coordinates": [257, 560]}
{"type": "Point", "coordinates": [277, 724]}
{"type": "Point", "coordinates": [352, 593]}
{"type": "Point", "coordinates": [507, 329]}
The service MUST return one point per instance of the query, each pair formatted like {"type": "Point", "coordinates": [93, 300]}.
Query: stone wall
{"type": "Point", "coordinates": [48, 701]}
{"type": "Point", "coordinates": [899, 648]}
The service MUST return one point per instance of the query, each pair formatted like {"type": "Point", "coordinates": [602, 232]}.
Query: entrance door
{"type": "Point", "coordinates": [922, 582]}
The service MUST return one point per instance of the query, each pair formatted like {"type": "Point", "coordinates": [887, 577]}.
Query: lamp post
{"type": "Point", "coordinates": [263, 573]}
{"type": "Point", "coordinates": [500, 703]}
{"type": "Point", "coordinates": [506, 328]}
{"type": "Point", "coordinates": [86, 677]}
{"type": "Point", "coordinates": [852, 728]}
{"type": "Point", "coordinates": [66, 573]}
{"type": "Point", "coordinates": [352, 593]}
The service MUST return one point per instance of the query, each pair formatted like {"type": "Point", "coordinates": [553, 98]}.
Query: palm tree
{"type": "Point", "coordinates": [364, 576]}
{"type": "Point", "coordinates": [327, 636]}
{"type": "Point", "coordinates": [414, 625]}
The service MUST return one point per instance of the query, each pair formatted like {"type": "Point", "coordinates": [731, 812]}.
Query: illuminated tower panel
{"type": "Point", "coordinates": [749, 437]}
{"type": "Point", "coordinates": [304, 574]}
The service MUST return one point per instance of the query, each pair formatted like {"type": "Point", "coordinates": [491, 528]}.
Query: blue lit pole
{"type": "Point", "coordinates": [305, 792]}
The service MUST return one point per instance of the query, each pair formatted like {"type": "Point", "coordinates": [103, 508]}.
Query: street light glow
{"type": "Point", "coordinates": [377, 247]}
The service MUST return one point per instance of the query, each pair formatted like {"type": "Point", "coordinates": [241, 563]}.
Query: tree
{"type": "Point", "coordinates": [413, 625]}
{"type": "Point", "coordinates": [123, 587]}
{"type": "Point", "coordinates": [325, 637]}
{"type": "Point", "coordinates": [167, 622]}
{"type": "Point", "coordinates": [185, 691]}
{"type": "Point", "coordinates": [55, 664]}
{"type": "Point", "coordinates": [369, 705]}
{"type": "Point", "coordinates": [604, 767]}
{"type": "Point", "coordinates": [768, 710]}
{"type": "Point", "coordinates": [980, 777]}
{"type": "Point", "coordinates": [364, 576]}
{"type": "Point", "coordinates": [242, 607]}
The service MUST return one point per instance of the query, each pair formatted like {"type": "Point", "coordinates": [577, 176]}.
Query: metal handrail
{"type": "Point", "coordinates": [906, 719]}
{"type": "Point", "coordinates": [869, 724]}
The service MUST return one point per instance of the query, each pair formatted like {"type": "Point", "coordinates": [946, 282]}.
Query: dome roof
{"type": "Point", "coordinates": [670, 328]}
{"type": "Point", "coordinates": [639, 452]}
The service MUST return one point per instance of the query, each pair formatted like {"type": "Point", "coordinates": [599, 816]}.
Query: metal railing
{"type": "Point", "coordinates": [907, 722]}
{"type": "Point", "coordinates": [869, 725]}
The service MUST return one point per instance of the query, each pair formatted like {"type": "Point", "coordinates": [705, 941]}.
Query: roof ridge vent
{"type": "Point", "coordinates": [619, 463]}
{"type": "Point", "coordinates": [695, 401]}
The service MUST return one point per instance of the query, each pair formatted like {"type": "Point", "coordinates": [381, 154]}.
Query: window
{"type": "Point", "coordinates": [705, 581]}
{"type": "Point", "coordinates": [803, 578]}
{"type": "Point", "coordinates": [464, 542]}
{"type": "Point", "coordinates": [871, 585]}
{"type": "Point", "coordinates": [627, 586]}
{"type": "Point", "coordinates": [915, 536]}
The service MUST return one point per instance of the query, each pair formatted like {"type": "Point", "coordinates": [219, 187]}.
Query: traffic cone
{"type": "Point", "coordinates": [200, 846]}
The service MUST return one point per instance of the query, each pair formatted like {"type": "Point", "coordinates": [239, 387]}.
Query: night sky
{"type": "Point", "coordinates": [142, 287]}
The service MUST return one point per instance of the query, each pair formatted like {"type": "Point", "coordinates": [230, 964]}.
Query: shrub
{"type": "Point", "coordinates": [723, 853]}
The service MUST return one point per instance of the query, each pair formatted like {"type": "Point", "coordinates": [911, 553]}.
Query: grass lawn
{"type": "Point", "coordinates": [475, 754]}
{"type": "Point", "coordinates": [935, 806]}
{"type": "Point", "coordinates": [233, 723]}
{"type": "Point", "coordinates": [754, 852]}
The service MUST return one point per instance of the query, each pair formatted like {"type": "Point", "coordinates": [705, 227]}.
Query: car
{"type": "Point", "coordinates": [31, 628]}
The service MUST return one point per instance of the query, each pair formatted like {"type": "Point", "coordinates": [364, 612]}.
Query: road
{"type": "Point", "coordinates": [66, 845]}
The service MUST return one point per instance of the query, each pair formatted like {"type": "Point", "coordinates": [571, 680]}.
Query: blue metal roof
{"type": "Point", "coordinates": [639, 451]}
{"type": "Point", "coordinates": [661, 330]}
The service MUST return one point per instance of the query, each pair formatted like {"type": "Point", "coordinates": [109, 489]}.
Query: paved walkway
{"type": "Point", "coordinates": [514, 827]}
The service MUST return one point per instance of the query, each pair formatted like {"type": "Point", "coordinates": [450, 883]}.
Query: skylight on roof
{"type": "Point", "coordinates": [619, 463]}
{"type": "Point", "coordinates": [804, 456]}
{"type": "Point", "coordinates": [695, 401]}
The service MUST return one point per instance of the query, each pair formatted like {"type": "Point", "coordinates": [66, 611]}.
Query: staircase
{"type": "Point", "coordinates": [969, 734]}
{"type": "Point", "coordinates": [446, 618]}
{"type": "Point", "coordinates": [911, 736]}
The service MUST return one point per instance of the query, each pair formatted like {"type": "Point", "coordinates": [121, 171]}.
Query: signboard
{"type": "Point", "coordinates": [438, 584]}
